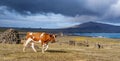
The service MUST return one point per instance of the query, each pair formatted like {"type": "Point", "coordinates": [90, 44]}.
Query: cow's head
{"type": "Point", "coordinates": [53, 38]}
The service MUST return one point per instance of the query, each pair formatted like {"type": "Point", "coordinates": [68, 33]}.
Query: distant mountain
{"type": "Point", "coordinates": [95, 27]}
{"type": "Point", "coordinates": [91, 27]}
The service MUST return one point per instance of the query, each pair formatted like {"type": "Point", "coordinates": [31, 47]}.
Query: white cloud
{"type": "Point", "coordinates": [100, 6]}
{"type": "Point", "coordinates": [47, 20]}
{"type": "Point", "coordinates": [114, 10]}
{"type": "Point", "coordinates": [84, 18]}
{"type": "Point", "coordinates": [112, 15]}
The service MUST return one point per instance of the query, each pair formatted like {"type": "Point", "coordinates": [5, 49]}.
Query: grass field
{"type": "Point", "coordinates": [65, 52]}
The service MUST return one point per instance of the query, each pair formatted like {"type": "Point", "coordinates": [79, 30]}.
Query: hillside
{"type": "Point", "coordinates": [95, 27]}
{"type": "Point", "coordinates": [92, 27]}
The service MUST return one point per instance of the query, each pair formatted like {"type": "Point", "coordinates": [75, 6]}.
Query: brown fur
{"type": "Point", "coordinates": [44, 39]}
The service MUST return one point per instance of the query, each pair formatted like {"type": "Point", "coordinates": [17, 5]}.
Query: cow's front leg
{"type": "Point", "coordinates": [43, 48]}
{"type": "Point", "coordinates": [46, 47]}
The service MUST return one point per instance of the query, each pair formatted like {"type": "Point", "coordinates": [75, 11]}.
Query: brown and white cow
{"type": "Point", "coordinates": [43, 38]}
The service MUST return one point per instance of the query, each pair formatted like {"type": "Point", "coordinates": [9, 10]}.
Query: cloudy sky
{"type": "Point", "coordinates": [57, 13]}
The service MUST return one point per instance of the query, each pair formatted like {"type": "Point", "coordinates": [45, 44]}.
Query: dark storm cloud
{"type": "Point", "coordinates": [65, 7]}
{"type": "Point", "coordinates": [57, 13]}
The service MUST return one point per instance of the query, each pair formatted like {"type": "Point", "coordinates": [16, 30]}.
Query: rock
{"type": "Point", "coordinates": [10, 36]}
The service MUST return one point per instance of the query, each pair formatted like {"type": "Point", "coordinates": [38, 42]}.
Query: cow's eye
{"type": "Point", "coordinates": [50, 35]}
{"type": "Point", "coordinates": [55, 35]}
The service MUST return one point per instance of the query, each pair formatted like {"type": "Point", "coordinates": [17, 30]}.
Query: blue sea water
{"type": "Point", "coordinates": [106, 35]}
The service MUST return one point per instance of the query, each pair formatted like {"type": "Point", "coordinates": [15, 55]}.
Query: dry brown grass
{"type": "Point", "coordinates": [64, 52]}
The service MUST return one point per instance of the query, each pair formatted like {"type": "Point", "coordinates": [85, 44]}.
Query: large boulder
{"type": "Point", "coordinates": [10, 36]}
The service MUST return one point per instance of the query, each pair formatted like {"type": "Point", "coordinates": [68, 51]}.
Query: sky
{"type": "Point", "coordinates": [57, 13]}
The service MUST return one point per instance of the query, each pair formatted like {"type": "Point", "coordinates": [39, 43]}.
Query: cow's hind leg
{"type": "Point", "coordinates": [26, 43]}
{"type": "Point", "coordinates": [32, 45]}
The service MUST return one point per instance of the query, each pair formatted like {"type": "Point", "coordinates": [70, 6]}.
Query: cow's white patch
{"type": "Point", "coordinates": [28, 40]}
{"type": "Point", "coordinates": [39, 41]}
{"type": "Point", "coordinates": [42, 35]}
{"type": "Point", "coordinates": [31, 33]}
{"type": "Point", "coordinates": [54, 36]}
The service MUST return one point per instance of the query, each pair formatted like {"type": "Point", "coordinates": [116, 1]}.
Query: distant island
{"type": "Point", "coordinates": [88, 27]}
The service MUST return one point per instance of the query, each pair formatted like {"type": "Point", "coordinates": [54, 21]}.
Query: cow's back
{"type": "Point", "coordinates": [33, 35]}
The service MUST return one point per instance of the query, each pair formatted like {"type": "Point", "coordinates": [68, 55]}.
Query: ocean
{"type": "Point", "coordinates": [100, 35]}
